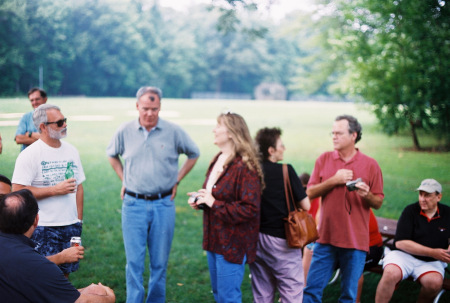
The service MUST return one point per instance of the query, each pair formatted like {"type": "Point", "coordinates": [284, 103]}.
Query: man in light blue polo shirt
{"type": "Point", "coordinates": [150, 148]}
{"type": "Point", "coordinates": [27, 132]}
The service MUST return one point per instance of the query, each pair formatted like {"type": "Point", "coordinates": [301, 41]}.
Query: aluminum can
{"type": "Point", "coordinates": [75, 241]}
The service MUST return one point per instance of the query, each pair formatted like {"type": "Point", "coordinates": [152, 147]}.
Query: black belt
{"type": "Point", "coordinates": [150, 197]}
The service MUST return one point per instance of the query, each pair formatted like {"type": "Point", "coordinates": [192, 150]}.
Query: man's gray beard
{"type": "Point", "coordinates": [54, 134]}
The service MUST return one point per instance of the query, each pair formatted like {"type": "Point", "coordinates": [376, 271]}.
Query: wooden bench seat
{"type": "Point", "coordinates": [387, 228]}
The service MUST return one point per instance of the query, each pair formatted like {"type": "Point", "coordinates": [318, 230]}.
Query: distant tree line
{"type": "Point", "coordinates": [110, 48]}
{"type": "Point", "coordinates": [394, 55]}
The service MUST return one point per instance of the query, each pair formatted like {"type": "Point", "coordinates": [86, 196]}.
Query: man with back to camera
{"type": "Point", "coordinates": [27, 132]}
{"type": "Point", "coordinates": [344, 224]}
{"type": "Point", "coordinates": [5, 185]}
{"type": "Point", "coordinates": [69, 255]}
{"type": "Point", "coordinates": [150, 148]}
{"type": "Point", "coordinates": [42, 168]}
{"type": "Point", "coordinates": [25, 275]}
{"type": "Point", "coordinates": [422, 246]}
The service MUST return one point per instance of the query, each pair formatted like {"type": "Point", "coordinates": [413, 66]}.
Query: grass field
{"type": "Point", "coordinates": [306, 127]}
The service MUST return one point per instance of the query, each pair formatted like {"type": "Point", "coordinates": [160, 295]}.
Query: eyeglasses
{"type": "Point", "coordinates": [59, 123]}
{"type": "Point", "coordinates": [337, 134]}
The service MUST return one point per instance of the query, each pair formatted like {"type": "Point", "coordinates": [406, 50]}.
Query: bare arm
{"type": "Point", "coordinates": [414, 248]}
{"type": "Point", "coordinates": [321, 189]}
{"type": "Point", "coordinates": [68, 255]}
{"type": "Point", "coordinates": [63, 188]}
{"type": "Point", "coordinates": [25, 139]}
{"type": "Point", "coordinates": [305, 204]}
{"type": "Point", "coordinates": [96, 293]}
{"type": "Point", "coordinates": [372, 200]}
{"type": "Point", "coordinates": [80, 201]}
{"type": "Point", "coordinates": [185, 169]}
{"type": "Point", "coordinates": [341, 177]}
{"type": "Point", "coordinates": [117, 166]}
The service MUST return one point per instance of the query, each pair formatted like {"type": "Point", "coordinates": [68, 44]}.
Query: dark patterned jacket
{"type": "Point", "coordinates": [231, 226]}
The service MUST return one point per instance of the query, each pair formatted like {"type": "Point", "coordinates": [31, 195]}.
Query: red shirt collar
{"type": "Point", "coordinates": [436, 215]}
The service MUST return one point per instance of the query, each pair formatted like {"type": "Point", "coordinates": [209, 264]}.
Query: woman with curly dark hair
{"type": "Point", "coordinates": [277, 266]}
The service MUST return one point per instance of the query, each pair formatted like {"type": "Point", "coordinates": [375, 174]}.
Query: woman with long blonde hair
{"type": "Point", "coordinates": [230, 199]}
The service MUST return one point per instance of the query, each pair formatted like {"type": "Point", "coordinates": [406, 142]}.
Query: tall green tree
{"type": "Point", "coordinates": [395, 55]}
{"type": "Point", "coordinates": [110, 57]}
{"type": "Point", "coordinates": [229, 62]}
{"type": "Point", "coordinates": [111, 47]}
{"type": "Point", "coordinates": [12, 50]}
{"type": "Point", "coordinates": [32, 35]}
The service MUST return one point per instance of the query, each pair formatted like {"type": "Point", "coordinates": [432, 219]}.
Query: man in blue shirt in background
{"type": "Point", "coordinates": [150, 148]}
{"type": "Point", "coordinates": [27, 133]}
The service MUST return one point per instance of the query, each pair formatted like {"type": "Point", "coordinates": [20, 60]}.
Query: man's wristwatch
{"type": "Point", "coordinates": [29, 134]}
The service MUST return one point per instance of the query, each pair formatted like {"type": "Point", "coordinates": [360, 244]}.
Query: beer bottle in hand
{"type": "Point", "coordinates": [69, 171]}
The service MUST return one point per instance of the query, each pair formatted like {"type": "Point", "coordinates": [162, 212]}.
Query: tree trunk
{"type": "Point", "coordinates": [414, 135]}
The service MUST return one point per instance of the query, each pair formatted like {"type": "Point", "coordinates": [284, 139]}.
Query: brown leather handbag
{"type": "Point", "coordinates": [300, 226]}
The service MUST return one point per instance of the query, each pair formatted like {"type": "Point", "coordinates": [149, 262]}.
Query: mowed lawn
{"type": "Point", "coordinates": [306, 128]}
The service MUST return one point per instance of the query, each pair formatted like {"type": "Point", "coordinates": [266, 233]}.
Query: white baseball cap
{"type": "Point", "coordinates": [430, 186]}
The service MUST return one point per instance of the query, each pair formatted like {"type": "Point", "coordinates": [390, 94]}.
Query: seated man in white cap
{"type": "Point", "coordinates": [421, 245]}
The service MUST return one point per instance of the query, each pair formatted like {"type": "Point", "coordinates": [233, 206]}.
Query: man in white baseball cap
{"type": "Point", "coordinates": [430, 186]}
{"type": "Point", "coordinates": [421, 245]}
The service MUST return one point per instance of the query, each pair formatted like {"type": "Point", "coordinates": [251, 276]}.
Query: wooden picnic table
{"type": "Point", "coordinates": [387, 228]}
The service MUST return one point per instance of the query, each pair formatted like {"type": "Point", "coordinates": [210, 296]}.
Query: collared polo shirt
{"type": "Point", "coordinates": [344, 220]}
{"type": "Point", "coordinates": [415, 226]}
{"type": "Point", "coordinates": [150, 163]}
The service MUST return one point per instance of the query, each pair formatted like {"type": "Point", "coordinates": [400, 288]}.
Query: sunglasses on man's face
{"type": "Point", "coordinates": [59, 123]}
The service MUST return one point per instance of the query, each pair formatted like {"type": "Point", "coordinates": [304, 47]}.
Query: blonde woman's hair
{"type": "Point", "coordinates": [244, 145]}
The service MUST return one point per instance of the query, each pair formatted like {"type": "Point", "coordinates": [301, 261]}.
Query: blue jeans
{"type": "Point", "coordinates": [147, 224]}
{"type": "Point", "coordinates": [324, 261]}
{"type": "Point", "coordinates": [226, 278]}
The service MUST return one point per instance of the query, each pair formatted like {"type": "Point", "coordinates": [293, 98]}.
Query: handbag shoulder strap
{"type": "Point", "coordinates": [288, 188]}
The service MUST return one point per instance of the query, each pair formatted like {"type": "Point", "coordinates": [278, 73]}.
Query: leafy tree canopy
{"type": "Point", "coordinates": [393, 54]}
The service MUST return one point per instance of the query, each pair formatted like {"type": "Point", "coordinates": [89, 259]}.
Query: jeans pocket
{"type": "Point", "coordinates": [128, 201]}
{"type": "Point", "coordinates": [167, 202]}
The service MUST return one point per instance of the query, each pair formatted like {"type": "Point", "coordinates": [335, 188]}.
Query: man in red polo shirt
{"type": "Point", "coordinates": [344, 223]}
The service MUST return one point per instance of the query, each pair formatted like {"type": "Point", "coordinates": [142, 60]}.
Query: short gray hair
{"type": "Point", "coordinates": [149, 89]}
{"type": "Point", "coordinates": [40, 114]}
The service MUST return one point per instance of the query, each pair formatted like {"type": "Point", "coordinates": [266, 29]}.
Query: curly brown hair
{"type": "Point", "coordinates": [267, 137]}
